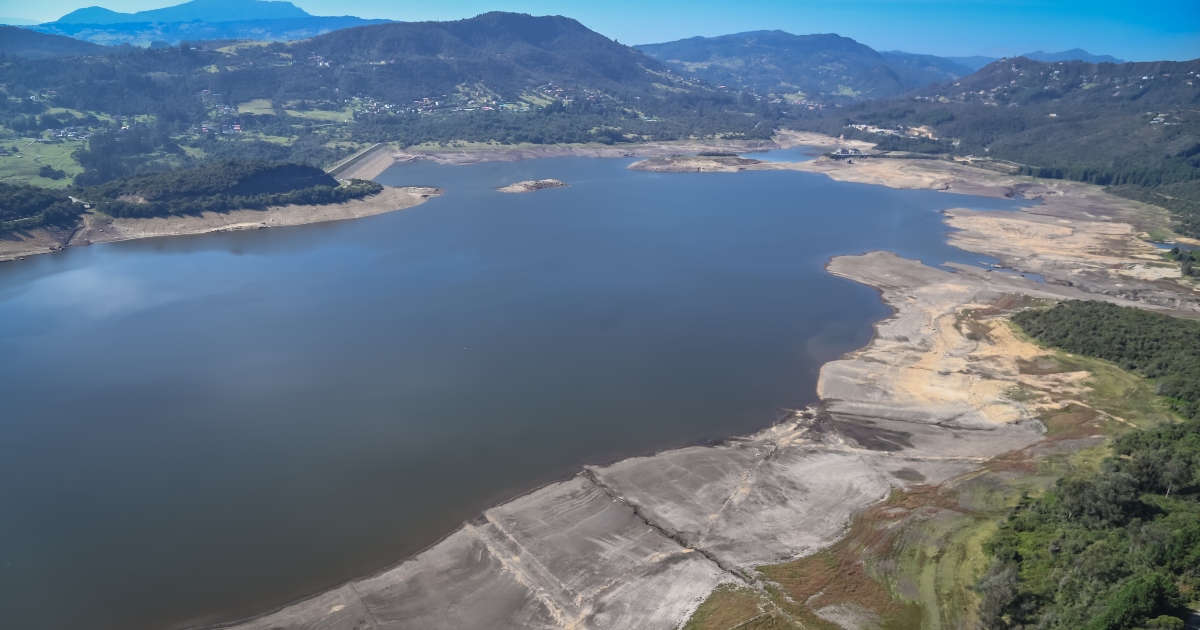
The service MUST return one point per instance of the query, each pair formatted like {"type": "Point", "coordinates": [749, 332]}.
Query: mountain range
{"type": "Point", "coordinates": [145, 34]}
{"type": "Point", "coordinates": [1075, 54]}
{"type": "Point", "coordinates": [824, 67]}
{"type": "Point", "coordinates": [259, 20]}
{"type": "Point", "coordinates": [508, 52]}
{"type": "Point", "coordinates": [203, 10]}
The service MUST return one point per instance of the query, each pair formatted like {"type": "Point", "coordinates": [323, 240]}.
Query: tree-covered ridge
{"type": "Point", "coordinates": [28, 207]}
{"type": "Point", "coordinates": [501, 54]}
{"type": "Point", "coordinates": [1162, 348]}
{"type": "Point", "coordinates": [486, 79]}
{"type": "Point", "coordinates": [1109, 551]}
{"type": "Point", "coordinates": [825, 68]}
{"type": "Point", "coordinates": [223, 186]}
{"type": "Point", "coordinates": [1132, 126]}
{"type": "Point", "coordinates": [22, 42]}
{"type": "Point", "coordinates": [231, 177]}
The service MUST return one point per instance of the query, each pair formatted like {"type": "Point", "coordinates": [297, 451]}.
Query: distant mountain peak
{"type": "Point", "coordinates": [822, 67]}
{"type": "Point", "coordinates": [1075, 54]}
{"type": "Point", "coordinates": [203, 10]}
{"type": "Point", "coordinates": [22, 42]}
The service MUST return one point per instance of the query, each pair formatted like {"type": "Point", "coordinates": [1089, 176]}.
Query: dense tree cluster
{"type": "Point", "coordinates": [222, 186]}
{"type": "Point", "coordinates": [28, 207]}
{"type": "Point", "coordinates": [1189, 261]}
{"type": "Point", "coordinates": [108, 156]}
{"type": "Point", "coordinates": [1115, 550]}
{"type": "Point", "coordinates": [1162, 348]}
{"type": "Point", "coordinates": [1118, 549]}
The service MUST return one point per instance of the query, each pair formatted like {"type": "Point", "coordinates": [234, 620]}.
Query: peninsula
{"type": "Point", "coordinates": [220, 197]}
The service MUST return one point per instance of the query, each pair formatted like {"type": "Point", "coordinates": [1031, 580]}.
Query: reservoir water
{"type": "Point", "coordinates": [198, 429]}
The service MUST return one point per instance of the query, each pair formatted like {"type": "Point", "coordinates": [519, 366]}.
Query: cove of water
{"type": "Point", "coordinates": [198, 429]}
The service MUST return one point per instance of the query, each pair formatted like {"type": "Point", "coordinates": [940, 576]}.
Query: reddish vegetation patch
{"type": "Point", "coordinates": [839, 574]}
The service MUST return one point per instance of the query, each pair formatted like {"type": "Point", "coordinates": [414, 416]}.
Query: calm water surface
{"type": "Point", "coordinates": [196, 429]}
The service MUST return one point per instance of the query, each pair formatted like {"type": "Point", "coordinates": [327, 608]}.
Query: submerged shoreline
{"type": "Point", "coordinates": [95, 230]}
{"type": "Point", "coordinates": [644, 540]}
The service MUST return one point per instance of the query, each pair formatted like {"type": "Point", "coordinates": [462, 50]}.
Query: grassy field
{"type": "Point", "coordinates": [320, 115]}
{"type": "Point", "coordinates": [727, 607]}
{"type": "Point", "coordinates": [23, 168]}
{"type": "Point", "coordinates": [233, 48]}
{"type": "Point", "coordinates": [256, 106]}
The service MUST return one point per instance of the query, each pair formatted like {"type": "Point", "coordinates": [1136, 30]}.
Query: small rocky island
{"type": "Point", "coordinates": [532, 185]}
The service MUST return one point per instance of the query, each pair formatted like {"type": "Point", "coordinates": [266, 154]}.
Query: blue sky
{"type": "Point", "coordinates": [1144, 30]}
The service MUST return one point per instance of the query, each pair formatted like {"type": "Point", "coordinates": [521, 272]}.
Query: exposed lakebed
{"type": "Point", "coordinates": [197, 429]}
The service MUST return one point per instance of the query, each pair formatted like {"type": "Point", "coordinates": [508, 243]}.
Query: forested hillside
{"type": "Point", "coordinates": [28, 207]}
{"type": "Point", "coordinates": [1117, 548]}
{"type": "Point", "coordinates": [27, 44]}
{"type": "Point", "coordinates": [497, 57]}
{"type": "Point", "coordinates": [1114, 550]}
{"type": "Point", "coordinates": [499, 77]}
{"type": "Point", "coordinates": [1162, 348]}
{"type": "Point", "coordinates": [1134, 127]}
{"type": "Point", "coordinates": [222, 186]}
{"type": "Point", "coordinates": [818, 68]}
{"type": "Point", "coordinates": [506, 53]}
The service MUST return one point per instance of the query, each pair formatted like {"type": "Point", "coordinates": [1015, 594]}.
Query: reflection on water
{"type": "Point", "coordinates": [200, 428]}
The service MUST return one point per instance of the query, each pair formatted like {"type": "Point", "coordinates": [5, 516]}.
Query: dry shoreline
{"type": "Point", "coordinates": [641, 542]}
{"type": "Point", "coordinates": [97, 230]}
{"type": "Point", "coordinates": [371, 165]}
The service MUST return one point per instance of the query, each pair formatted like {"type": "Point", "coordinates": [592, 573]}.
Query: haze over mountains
{"type": "Point", "coordinates": [1075, 54]}
{"type": "Point", "coordinates": [203, 10]}
{"type": "Point", "coordinates": [261, 20]}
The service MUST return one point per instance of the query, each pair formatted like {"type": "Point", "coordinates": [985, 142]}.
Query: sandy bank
{"type": "Point", "coordinates": [104, 230]}
{"type": "Point", "coordinates": [532, 185]}
{"type": "Point", "coordinates": [1073, 234]}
